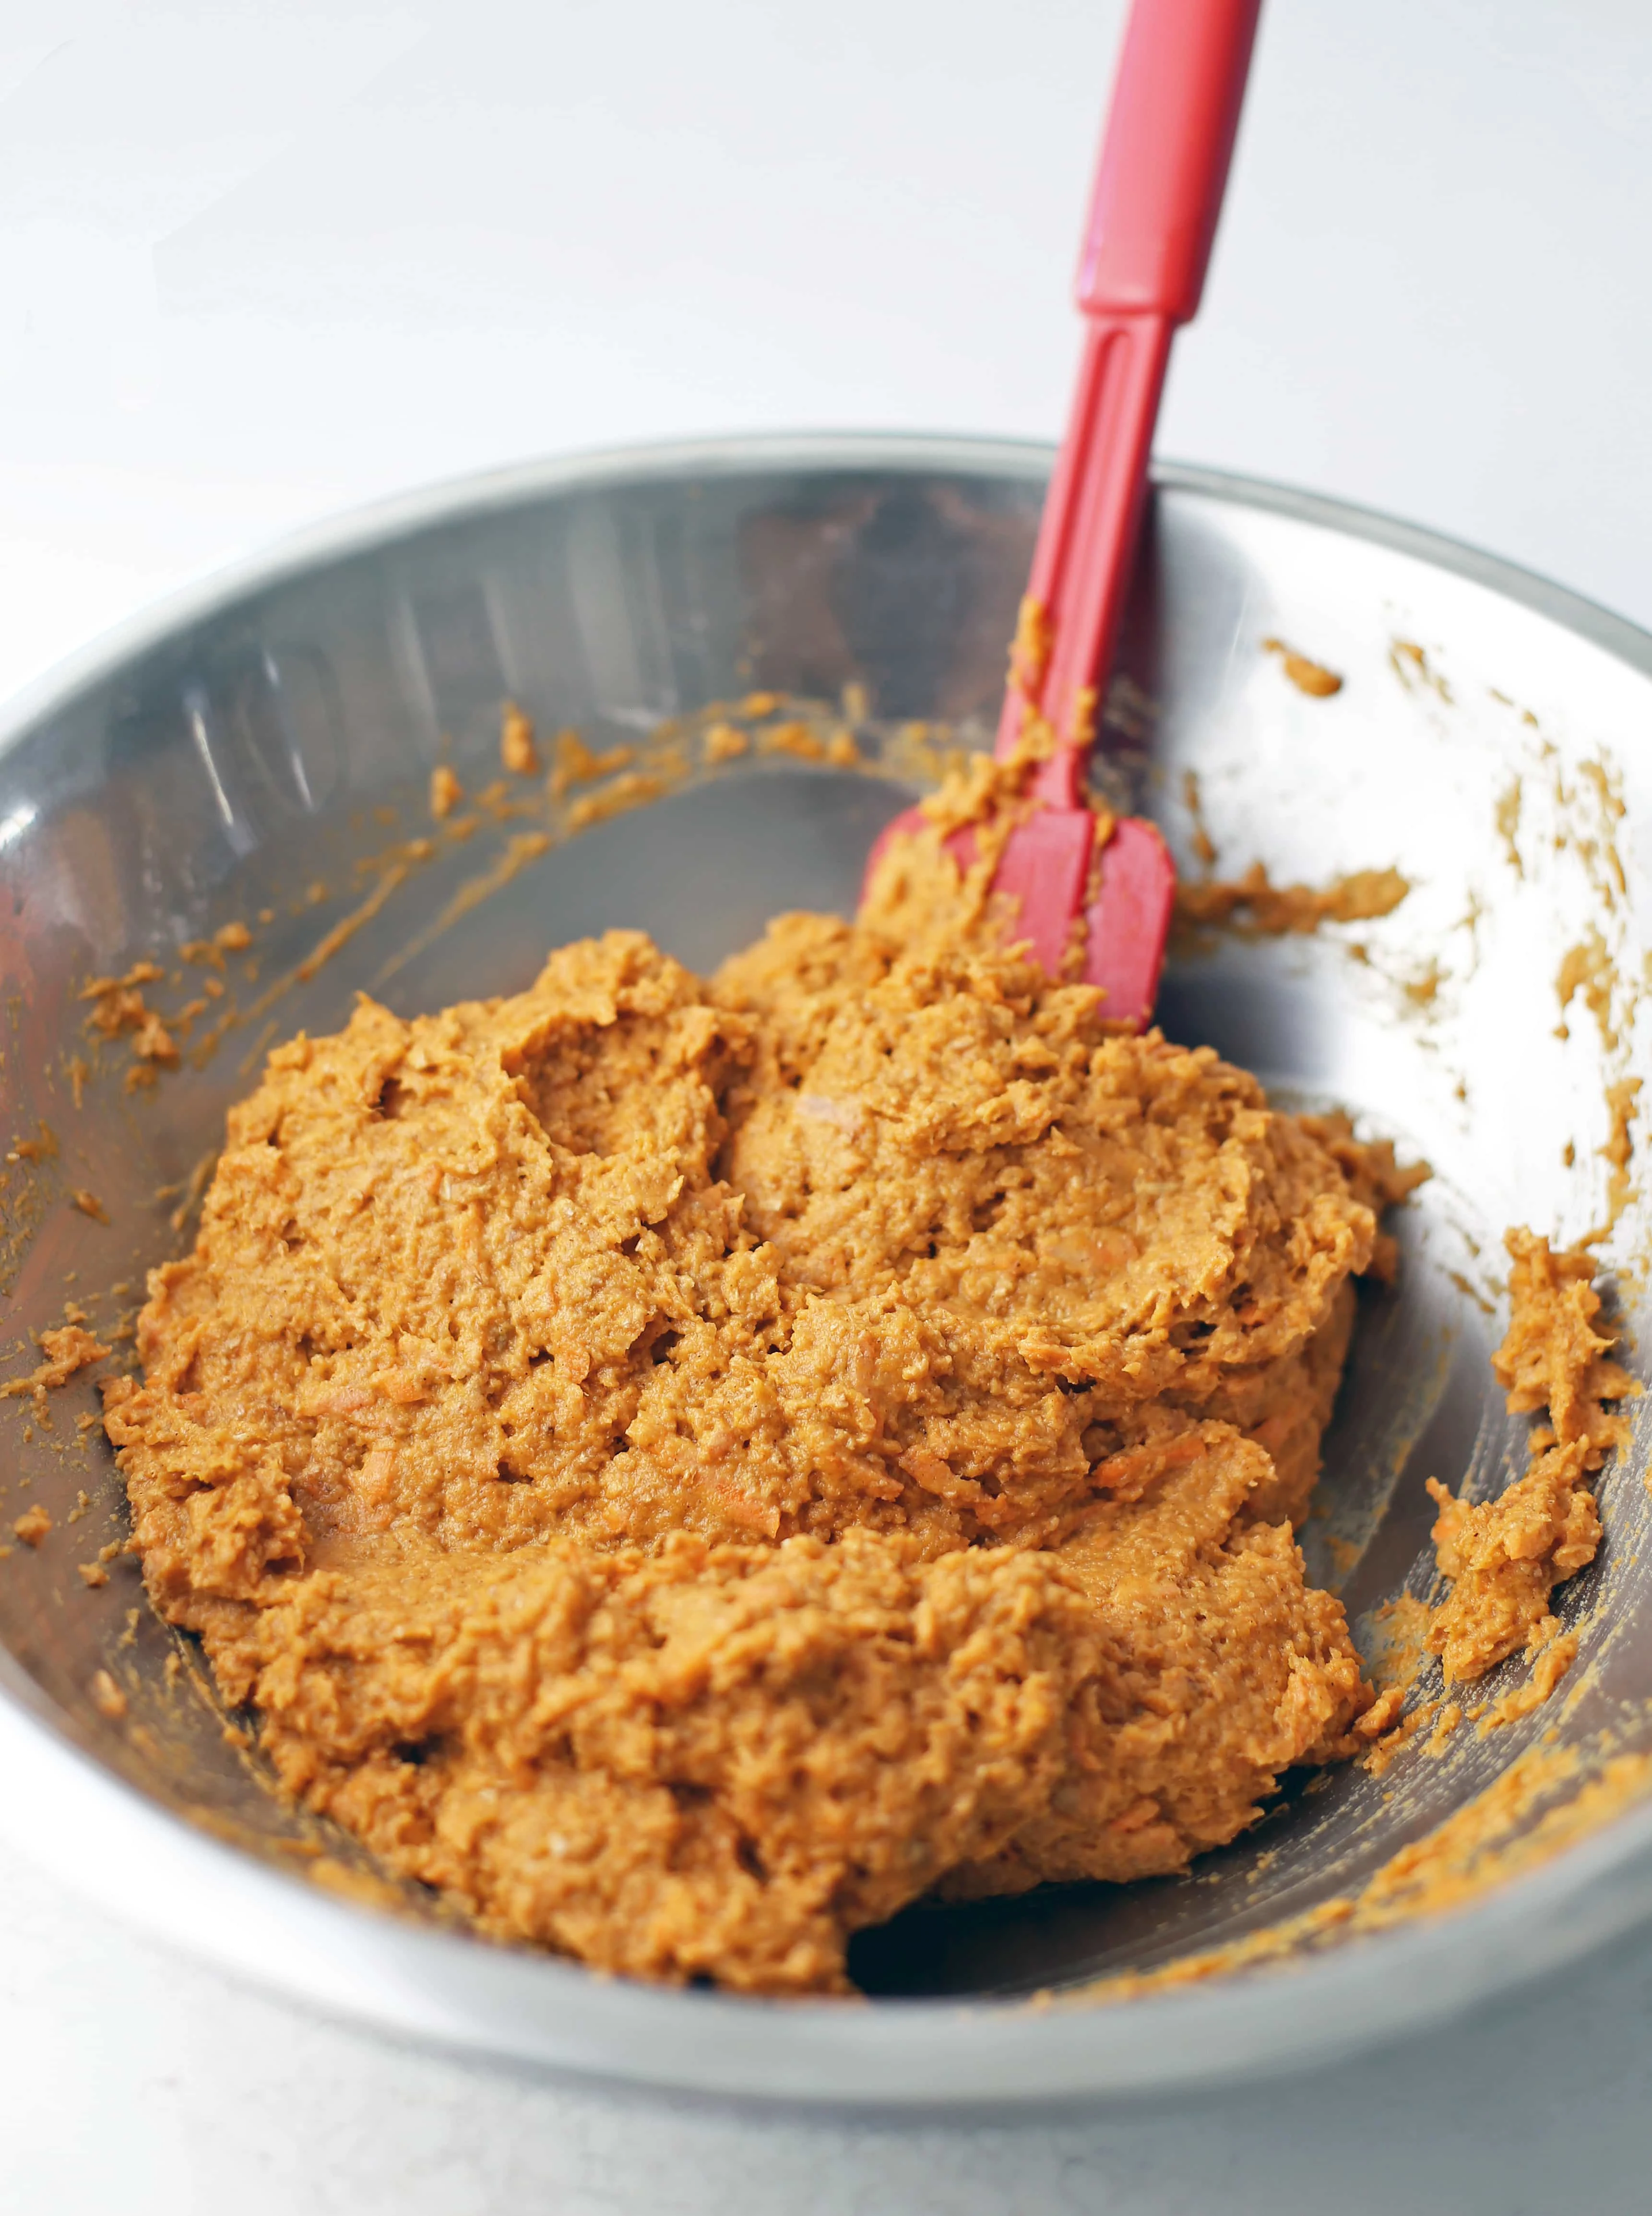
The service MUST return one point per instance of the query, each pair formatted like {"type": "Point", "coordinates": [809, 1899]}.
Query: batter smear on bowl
{"type": "Point", "coordinates": [684, 1468]}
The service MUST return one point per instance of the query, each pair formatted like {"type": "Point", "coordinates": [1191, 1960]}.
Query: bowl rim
{"type": "Point", "coordinates": [148, 1865]}
{"type": "Point", "coordinates": [362, 528]}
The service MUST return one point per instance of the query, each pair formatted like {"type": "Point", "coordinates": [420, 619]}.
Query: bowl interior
{"type": "Point", "coordinates": [267, 764]}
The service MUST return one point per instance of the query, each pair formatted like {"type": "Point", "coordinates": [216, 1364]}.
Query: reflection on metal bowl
{"type": "Point", "coordinates": [262, 757]}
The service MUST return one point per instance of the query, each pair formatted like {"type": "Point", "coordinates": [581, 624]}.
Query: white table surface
{"type": "Point", "coordinates": [262, 259]}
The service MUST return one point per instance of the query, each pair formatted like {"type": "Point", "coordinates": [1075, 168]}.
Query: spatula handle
{"type": "Point", "coordinates": [1152, 216]}
{"type": "Point", "coordinates": [1164, 161]}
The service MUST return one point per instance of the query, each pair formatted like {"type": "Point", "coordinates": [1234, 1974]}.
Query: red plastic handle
{"type": "Point", "coordinates": [1086, 540]}
{"type": "Point", "coordinates": [1170, 138]}
{"type": "Point", "coordinates": [1152, 217]}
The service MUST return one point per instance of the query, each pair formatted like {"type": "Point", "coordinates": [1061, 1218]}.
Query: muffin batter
{"type": "Point", "coordinates": [684, 1468]}
{"type": "Point", "coordinates": [1505, 1556]}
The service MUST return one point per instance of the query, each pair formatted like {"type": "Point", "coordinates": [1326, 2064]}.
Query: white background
{"type": "Point", "coordinates": [260, 258]}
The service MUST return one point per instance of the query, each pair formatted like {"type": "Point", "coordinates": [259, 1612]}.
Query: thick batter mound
{"type": "Point", "coordinates": [686, 1469]}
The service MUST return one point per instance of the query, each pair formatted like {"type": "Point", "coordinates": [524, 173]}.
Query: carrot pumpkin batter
{"type": "Point", "coordinates": [685, 1468]}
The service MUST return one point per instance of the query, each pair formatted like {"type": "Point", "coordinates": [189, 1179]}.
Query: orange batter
{"type": "Point", "coordinates": [1505, 1556]}
{"type": "Point", "coordinates": [684, 1468]}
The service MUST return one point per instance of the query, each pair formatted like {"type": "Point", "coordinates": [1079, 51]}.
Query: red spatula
{"type": "Point", "coordinates": [1157, 193]}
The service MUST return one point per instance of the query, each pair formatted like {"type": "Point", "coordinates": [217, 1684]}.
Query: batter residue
{"type": "Point", "coordinates": [685, 1468]}
{"type": "Point", "coordinates": [1505, 1556]}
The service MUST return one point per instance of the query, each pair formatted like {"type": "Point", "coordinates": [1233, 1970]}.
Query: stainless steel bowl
{"type": "Point", "coordinates": [275, 734]}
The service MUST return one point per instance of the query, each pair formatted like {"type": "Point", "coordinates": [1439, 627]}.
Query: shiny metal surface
{"type": "Point", "coordinates": [265, 749]}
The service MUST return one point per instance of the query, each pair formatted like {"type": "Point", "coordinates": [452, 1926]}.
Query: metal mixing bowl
{"type": "Point", "coordinates": [265, 749]}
